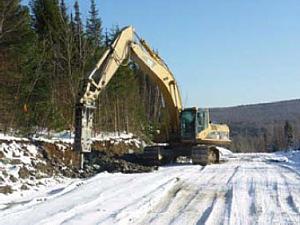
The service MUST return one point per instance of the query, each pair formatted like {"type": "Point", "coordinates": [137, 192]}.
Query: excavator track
{"type": "Point", "coordinates": [156, 156]}
{"type": "Point", "coordinates": [160, 155]}
{"type": "Point", "coordinates": [204, 155]}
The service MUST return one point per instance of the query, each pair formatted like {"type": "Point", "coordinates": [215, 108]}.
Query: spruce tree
{"type": "Point", "coordinates": [49, 26]}
{"type": "Point", "coordinates": [46, 19]}
{"type": "Point", "coordinates": [78, 36]}
{"type": "Point", "coordinates": [94, 26]}
{"type": "Point", "coordinates": [16, 38]}
{"type": "Point", "coordinates": [63, 10]}
{"type": "Point", "coordinates": [14, 24]}
{"type": "Point", "coordinates": [77, 21]}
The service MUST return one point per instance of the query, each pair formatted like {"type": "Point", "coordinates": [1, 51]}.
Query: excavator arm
{"type": "Point", "coordinates": [124, 48]}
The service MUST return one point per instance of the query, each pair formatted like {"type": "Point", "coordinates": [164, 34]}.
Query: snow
{"type": "Point", "coordinates": [11, 138]}
{"type": "Point", "coordinates": [249, 188]}
{"type": "Point", "coordinates": [105, 136]}
{"type": "Point", "coordinates": [20, 153]}
{"type": "Point", "coordinates": [224, 153]}
{"type": "Point", "coordinates": [119, 137]}
{"type": "Point", "coordinates": [67, 137]}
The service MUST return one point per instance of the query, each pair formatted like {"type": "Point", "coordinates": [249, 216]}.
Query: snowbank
{"type": "Point", "coordinates": [224, 153]}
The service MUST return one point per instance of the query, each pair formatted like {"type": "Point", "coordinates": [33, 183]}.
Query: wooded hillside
{"type": "Point", "coordinates": [46, 52]}
{"type": "Point", "coordinates": [264, 127]}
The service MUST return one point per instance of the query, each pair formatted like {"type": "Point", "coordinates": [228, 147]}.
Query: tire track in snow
{"type": "Point", "coordinates": [165, 201]}
{"type": "Point", "coordinates": [256, 194]}
{"type": "Point", "coordinates": [290, 198]}
{"type": "Point", "coordinates": [283, 194]}
{"type": "Point", "coordinates": [209, 199]}
{"type": "Point", "coordinates": [71, 208]}
{"type": "Point", "coordinates": [172, 198]}
{"type": "Point", "coordinates": [42, 200]}
{"type": "Point", "coordinates": [248, 191]}
{"type": "Point", "coordinates": [271, 192]}
{"type": "Point", "coordinates": [113, 196]}
{"type": "Point", "coordinates": [269, 207]}
{"type": "Point", "coordinates": [237, 206]}
{"type": "Point", "coordinates": [140, 203]}
{"type": "Point", "coordinates": [294, 171]}
{"type": "Point", "coordinates": [233, 174]}
{"type": "Point", "coordinates": [207, 212]}
{"type": "Point", "coordinates": [175, 205]}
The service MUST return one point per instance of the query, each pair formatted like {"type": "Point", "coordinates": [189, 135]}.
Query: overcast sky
{"type": "Point", "coordinates": [222, 52]}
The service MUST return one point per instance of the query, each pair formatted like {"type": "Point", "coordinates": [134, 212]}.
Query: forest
{"type": "Point", "coordinates": [262, 127]}
{"type": "Point", "coordinates": [46, 52]}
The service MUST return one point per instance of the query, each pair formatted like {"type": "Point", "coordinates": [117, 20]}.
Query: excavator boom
{"type": "Point", "coordinates": [125, 47]}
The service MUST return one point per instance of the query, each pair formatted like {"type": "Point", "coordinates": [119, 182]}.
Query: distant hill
{"type": "Point", "coordinates": [260, 125]}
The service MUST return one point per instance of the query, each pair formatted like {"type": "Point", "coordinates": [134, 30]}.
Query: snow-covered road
{"type": "Point", "coordinates": [247, 189]}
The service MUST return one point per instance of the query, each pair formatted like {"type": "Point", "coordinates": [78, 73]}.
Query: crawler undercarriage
{"type": "Point", "coordinates": [199, 154]}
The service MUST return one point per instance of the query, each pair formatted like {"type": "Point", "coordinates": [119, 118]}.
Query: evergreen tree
{"type": "Point", "coordinates": [50, 28]}
{"type": "Point", "coordinates": [94, 26]}
{"type": "Point", "coordinates": [94, 45]}
{"type": "Point", "coordinates": [78, 26]}
{"type": "Point", "coordinates": [46, 19]}
{"type": "Point", "coordinates": [72, 23]}
{"type": "Point", "coordinates": [114, 31]}
{"type": "Point", "coordinates": [78, 40]}
{"type": "Point", "coordinates": [16, 38]}
{"type": "Point", "coordinates": [63, 10]}
{"type": "Point", "coordinates": [77, 18]}
{"type": "Point", "coordinates": [288, 135]}
{"type": "Point", "coordinates": [14, 24]}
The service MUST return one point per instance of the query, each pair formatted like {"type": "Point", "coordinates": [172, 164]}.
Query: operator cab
{"type": "Point", "coordinates": [193, 121]}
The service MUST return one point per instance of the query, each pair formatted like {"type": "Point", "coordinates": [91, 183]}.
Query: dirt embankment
{"type": "Point", "coordinates": [26, 163]}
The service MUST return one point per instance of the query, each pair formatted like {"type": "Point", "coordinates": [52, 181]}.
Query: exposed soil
{"type": "Point", "coordinates": [59, 159]}
{"type": "Point", "coordinates": [98, 162]}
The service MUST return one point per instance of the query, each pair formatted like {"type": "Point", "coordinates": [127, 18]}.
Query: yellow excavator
{"type": "Point", "coordinates": [191, 132]}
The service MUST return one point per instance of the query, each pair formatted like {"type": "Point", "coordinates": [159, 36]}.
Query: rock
{"type": "Point", "coordinates": [2, 155]}
{"type": "Point", "coordinates": [1, 179]}
{"type": "Point", "coordinates": [67, 172]}
{"type": "Point", "coordinates": [13, 178]}
{"type": "Point", "coordinates": [15, 161]}
{"type": "Point", "coordinates": [44, 168]}
{"type": "Point", "coordinates": [24, 187]}
{"type": "Point", "coordinates": [7, 189]}
{"type": "Point", "coordinates": [32, 172]}
{"type": "Point", "coordinates": [101, 162]}
{"type": "Point", "coordinates": [24, 172]}
{"type": "Point", "coordinates": [40, 176]}
{"type": "Point", "coordinates": [5, 174]}
{"type": "Point", "coordinates": [16, 155]}
{"type": "Point", "coordinates": [97, 167]}
{"type": "Point", "coordinates": [33, 163]}
{"type": "Point", "coordinates": [39, 183]}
